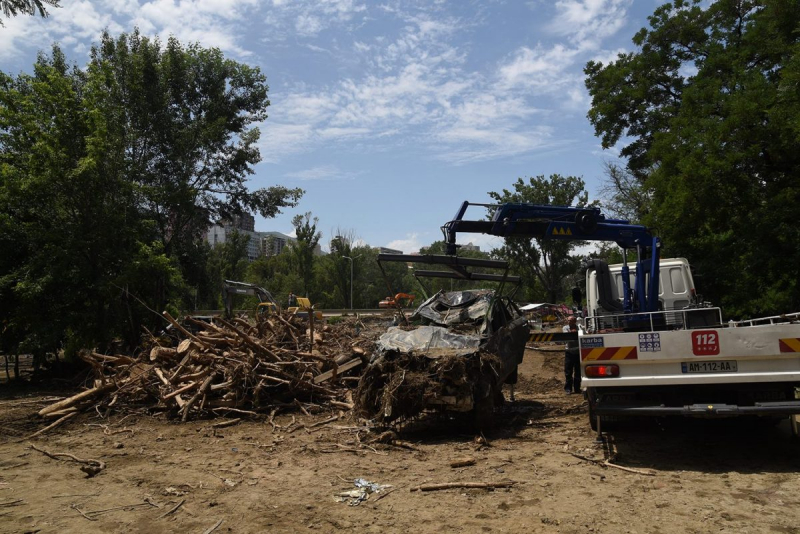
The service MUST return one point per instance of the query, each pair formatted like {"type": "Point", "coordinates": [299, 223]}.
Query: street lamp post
{"type": "Point", "coordinates": [351, 279]}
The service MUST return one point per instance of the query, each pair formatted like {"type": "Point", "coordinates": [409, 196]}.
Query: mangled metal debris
{"type": "Point", "coordinates": [460, 368]}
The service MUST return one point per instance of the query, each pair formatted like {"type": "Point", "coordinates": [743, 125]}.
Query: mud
{"type": "Point", "coordinates": [709, 476]}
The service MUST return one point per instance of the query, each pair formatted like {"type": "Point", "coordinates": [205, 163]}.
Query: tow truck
{"type": "Point", "coordinates": [642, 353]}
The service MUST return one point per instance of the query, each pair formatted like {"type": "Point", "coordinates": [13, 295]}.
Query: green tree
{"type": "Point", "coordinates": [67, 228]}
{"type": "Point", "coordinates": [227, 261]}
{"type": "Point", "coordinates": [304, 248]}
{"type": "Point", "coordinates": [543, 262]}
{"type": "Point", "coordinates": [12, 8]}
{"type": "Point", "coordinates": [338, 271]}
{"type": "Point", "coordinates": [276, 274]}
{"type": "Point", "coordinates": [109, 176]}
{"type": "Point", "coordinates": [623, 195]}
{"type": "Point", "coordinates": [708, 107]}
{"type": "Point", "coordinates": [180, 118]}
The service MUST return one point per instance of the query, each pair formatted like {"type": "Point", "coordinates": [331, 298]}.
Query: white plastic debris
{"type": "Point", "coordinates": [364, 488]}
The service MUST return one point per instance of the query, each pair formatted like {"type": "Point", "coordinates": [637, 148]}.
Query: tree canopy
{"type": "Point", "coordinates": [546, 266]}
{"type": "Point", "coordinates": [706, 112]}
{"type": "Point", "coordinates": [12, 8]}
{"type": "Point", "coordinates": [109, 176]}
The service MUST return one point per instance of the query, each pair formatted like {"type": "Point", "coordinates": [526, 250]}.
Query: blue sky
{"type": "Point", "coordinates": [389, 114]}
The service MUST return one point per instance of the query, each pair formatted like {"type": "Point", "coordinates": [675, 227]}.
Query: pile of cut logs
{"type": "Point", "coordinates": [227, 366]}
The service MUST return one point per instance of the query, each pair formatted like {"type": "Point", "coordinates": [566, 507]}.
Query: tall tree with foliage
{"type": "Point", "coordinates": [303, 249]}
{"type": "Point", "coordinates": [338, 270]}
{"type": "Point", "coordinates": [708, 107]}
{"type": "Point", "coordinates": [109, 174]}
{"type": "Point", "coordinates": [623, 195]}
{"type": "Point", "coordinates": [544, 261]}
{"type": "Point", "coordinates": [180, 117]}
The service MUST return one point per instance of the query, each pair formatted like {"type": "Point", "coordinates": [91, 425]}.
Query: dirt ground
{"type": "Point", "coordinates": [707, 476]}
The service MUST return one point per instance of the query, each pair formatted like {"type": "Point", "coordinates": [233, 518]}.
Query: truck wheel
{"type": "Point", "coordinates": [607, 422]}
{"type": "Point", "coordinates": [592, 417]}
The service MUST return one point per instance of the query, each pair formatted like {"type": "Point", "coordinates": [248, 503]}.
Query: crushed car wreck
{"type": "Point", "coordinates": [461, 348]}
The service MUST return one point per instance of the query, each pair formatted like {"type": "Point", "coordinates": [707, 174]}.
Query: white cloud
{"type": "Point", "coordinates": [212, 23]}
{"type": "Point", "coordinates": [412, 83]}
{"type": "Point", "coordinates": [408, 244]}
{"type": "Point", "coordinates": [321, 172]}
{"type": "Point", "coordinates": [540, 67]}
{"type": "Point", "coordinates": [308, 25]}
{"type": "Point", "coordinates": [590, 21]}
{"type": "Point", "coordinates": [308, 18]}
{"type": "Point", "coordinates": [417, 86]}
{"type": "Point", "coordinates": [607, 56]}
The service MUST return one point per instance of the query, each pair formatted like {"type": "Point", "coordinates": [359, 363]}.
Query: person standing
{"type": "Point", "coordinates": [572, 360]}
{"type": "Point", "coordinates": [292, 300]}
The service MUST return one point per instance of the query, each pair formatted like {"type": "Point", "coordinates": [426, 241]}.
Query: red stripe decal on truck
{"type": "Point", "coordinates": [791, 344]}
{"type": "Point", "coordinates": [609, 353]}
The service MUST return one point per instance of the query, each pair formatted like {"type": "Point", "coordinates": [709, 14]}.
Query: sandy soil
{"type": "Point", "coordinates": [708, 476]}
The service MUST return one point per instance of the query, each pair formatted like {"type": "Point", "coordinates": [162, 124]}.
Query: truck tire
{"type": "Point", "coordinates": [607, 422]}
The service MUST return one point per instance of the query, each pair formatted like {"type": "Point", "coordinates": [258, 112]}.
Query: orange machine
{"type": "Point", "coordinates": [395, 301]}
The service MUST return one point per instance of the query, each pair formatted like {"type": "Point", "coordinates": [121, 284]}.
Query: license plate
{"type": "Point", "coordinates": [720, 366]}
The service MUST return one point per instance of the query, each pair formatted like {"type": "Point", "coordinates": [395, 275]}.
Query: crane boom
{"type": "Point", "coordinates": [568, 223]}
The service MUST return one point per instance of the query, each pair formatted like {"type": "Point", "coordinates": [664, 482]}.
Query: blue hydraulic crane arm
{"type": "Point", "coordinates": [571, 224]}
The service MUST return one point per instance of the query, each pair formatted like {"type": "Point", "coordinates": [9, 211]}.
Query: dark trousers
{"type": "Point", "coordinates": [572, 372]}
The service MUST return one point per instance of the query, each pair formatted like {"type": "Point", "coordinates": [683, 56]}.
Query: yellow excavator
{"type": "Point", "coordinates": [303, 307]}
{"type": "Point", "coordinates": [267, 304]}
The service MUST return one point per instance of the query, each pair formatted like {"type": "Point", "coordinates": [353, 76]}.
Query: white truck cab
{"type": "Point", "coordinates": [676, 289]}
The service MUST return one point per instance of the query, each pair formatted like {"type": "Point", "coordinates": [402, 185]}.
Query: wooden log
{"type": "Point", "coordinates": [463, 462]}
{"type": "Point", "coordinates": [162, 353]}
{"type": "Point", "coordinates": [200, 393]}
{"type": "Point", "coordinates": [275, 379]}
{"type": "Point", "coordinates": [194, 376]}
{"type": "Point", "coordinates": [177, 325]}
{"type": "Point", "coordinates": [75, 399]}
{"type": "Point", "coordinates": [164, 380]}
{"type": "Point", "coordinates": [188, 387]}
{"type": "Point", "coordinates": [213, 527]}
{"type": "Point", "coordinates": [52, 425]}
{"type": "Point", "coordinates": [287, 323]}
{"type": "Point", "coordinates": [334, 372]}
{"type": "Point", "coordinates": [116, 359]}
{"type": "Point", "coordinates": [450, 485]}
{"type": "Point", "coordinates": [178, 399]}
{"type": "Point", "coordinates": [342, 358]}
{"type": "Point", "coordinates": [252, 343]}
{"type": "Point", "coordinates": [179, 369]}
{"type": "Point", "coordinates": [217, 341]}
{"type": "Point", "coordinates": [184, 347]}
{"type": "Point", "coordinates": [311, 356]}
{"type": "Point", "coordinates": [224, 424]}
{"type": "Point", "coordinates": [311, 328]}
{"type": "Point", "coordinates": [60, 413]}
{"type": "Point", "coordinates": [223, 385]}
{"type": "Point", "coordinates": [340, 404]}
